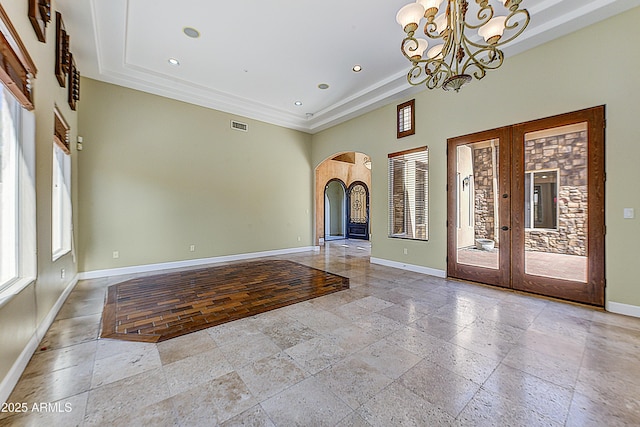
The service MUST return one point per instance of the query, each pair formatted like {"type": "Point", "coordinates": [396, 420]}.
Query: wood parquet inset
{"type": "Point", "coordinates": [160, 307]}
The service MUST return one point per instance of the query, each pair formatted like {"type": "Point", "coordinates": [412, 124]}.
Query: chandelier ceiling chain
{"type": "Point", "coordinates": [466, 43]}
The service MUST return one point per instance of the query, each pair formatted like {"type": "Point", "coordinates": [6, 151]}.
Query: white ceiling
{"type": "Point", "coordinates": [256, 58]}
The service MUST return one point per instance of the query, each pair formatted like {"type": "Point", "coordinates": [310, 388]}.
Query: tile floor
{"type": "Point", "coordinates": [398, 348]}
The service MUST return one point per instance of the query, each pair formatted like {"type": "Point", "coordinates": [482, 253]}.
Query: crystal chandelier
{"type": "Point", "coordinates": [464, 43]}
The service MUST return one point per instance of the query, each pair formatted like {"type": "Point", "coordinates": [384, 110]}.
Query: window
{"type": "Point", "coordinates": [541, 199]}
{"type": "Point", "coordinates": [60, 190]}
{"type": "Point", "coordinates": [408, 194]}
{"type": "Point", "coordinates": [17, 163]}
{"type": "Point", "coordinates": [406, 119]}
{"type": "Point", "coordinates": [17, 195]}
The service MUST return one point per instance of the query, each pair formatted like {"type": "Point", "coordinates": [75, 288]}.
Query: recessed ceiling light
{"type": "Point", "coordinates": [298, 103]}
{"type": "Point", "coordinates": [357, 68]}
{"type": "Point", "coordinates": [174, 61]}
{"type": "Point", "coordinates": [191, 32]}
{"type": "Point", "coordinates": [323, 86]}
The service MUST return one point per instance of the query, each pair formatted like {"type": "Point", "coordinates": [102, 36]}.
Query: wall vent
{"type": "Point", "coordinates": [239, 126]}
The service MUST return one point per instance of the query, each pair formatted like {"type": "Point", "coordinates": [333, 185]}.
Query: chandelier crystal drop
{"type": "Point", "coordinates": [461, 40]}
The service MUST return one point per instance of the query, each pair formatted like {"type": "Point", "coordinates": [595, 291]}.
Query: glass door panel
{"type": "Point", "coordinates": [477, 236]}
{"type": "Point", "coordinates": [558, 206]}
{"type": "Point", "coordinates": [556, 202]}
{"type": "Point", "coordinates": [478, 208]}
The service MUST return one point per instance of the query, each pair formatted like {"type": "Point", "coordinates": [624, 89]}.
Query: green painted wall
{"type": "Point", "coordinates": [558, 77]}
{"type": "Point", "coordinates": [158, 175]}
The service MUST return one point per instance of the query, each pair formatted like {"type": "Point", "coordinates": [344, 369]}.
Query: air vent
{"type": "Point", "coordinates": [239, 126]}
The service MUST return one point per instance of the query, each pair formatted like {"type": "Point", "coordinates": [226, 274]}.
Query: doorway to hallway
{"type": "Point", "coordinates": [343, 188]}
{"type": "Point", "coordinates": [335, 208]}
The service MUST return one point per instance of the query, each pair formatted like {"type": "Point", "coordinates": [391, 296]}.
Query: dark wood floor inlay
{"type": "Point", "coordinates": [160, 307]}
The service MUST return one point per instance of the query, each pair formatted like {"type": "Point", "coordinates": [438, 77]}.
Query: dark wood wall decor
{"type": "Point", "coordinates": [61, 131]}
{"type": "Point", "coordinates": [16, 66]}
{"type": "Point", "coordinates": [74, 83]}
{"type": "Point", "coordinates": [63, 55]}
{"type": "Point", "coordinates": [40, 16]}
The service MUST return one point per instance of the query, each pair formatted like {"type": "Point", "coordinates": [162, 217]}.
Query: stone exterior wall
{"type": "Point", "coordinates": [568, 154]}
{"type": "Point", "coordinates": [483, 190]}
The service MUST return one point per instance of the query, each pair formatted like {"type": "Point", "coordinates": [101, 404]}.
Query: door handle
{"type": "Point", "coordinates": [504, 228]}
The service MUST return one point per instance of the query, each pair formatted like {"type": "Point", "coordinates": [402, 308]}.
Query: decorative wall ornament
{"type": "Point", "coordinates": [74, 84]}
{"type": "Point", "coordinates": [40, 16]}
{"type": "Point", "coordinates": [16, 66]}
{"type": "Point", "coordinates": [467, 40]}
{"type": "Point", "coordinates": [63, 56]}
{"type": "Point", "coordinates": [61, 131]}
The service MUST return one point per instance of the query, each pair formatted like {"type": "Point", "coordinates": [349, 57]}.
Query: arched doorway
{"type": "Point", "coordinates": [358, 211]}
{"type": "Point", "coordinates": [335, 208]}
{"type": "Point", "coordinates": [347, 168]}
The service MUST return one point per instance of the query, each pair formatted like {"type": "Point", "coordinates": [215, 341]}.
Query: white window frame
{"type": "Point", "coordinates": [415, 163]}
{"type": "Point", "coordinates": [60, 203]}
{"type": "Point", "coordinates": [60, 189]}
{"type": "Point", "coordinates": [18, 196]}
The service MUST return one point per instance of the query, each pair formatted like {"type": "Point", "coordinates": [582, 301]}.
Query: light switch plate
{"type": "Point", "coordinates": [628, 213]}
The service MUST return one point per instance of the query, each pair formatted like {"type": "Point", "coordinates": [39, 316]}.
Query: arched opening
{"type": "Point", "coordinates": [350, 171]}
{"type": "Point", "coordinates": [335, 206]}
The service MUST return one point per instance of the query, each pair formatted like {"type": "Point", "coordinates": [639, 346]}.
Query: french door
{"type": "Point", "coordinates": [526, 206]}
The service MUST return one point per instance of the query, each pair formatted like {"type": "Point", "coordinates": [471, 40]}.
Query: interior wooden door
{"type": "Point", "coordinates": [478, 208]}
{"type": "Point", "coordinates": [558, 206]}
{"type": "Point", "coordinates": [526, 207]}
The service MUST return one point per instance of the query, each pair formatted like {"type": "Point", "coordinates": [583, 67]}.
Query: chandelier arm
{"type": "Point", "coordinates": [491, 61]}
{"type": "Point", "coordinates": [522, 24]}
{"type": "Point", "coordinates": [484, 15]}
{"type": "Point", "coordinates": [415, 73]}
{"type": "Point", "coordinates": [431, 72]}
{"type": "Point", "coordinates": [404, 48]}
{"type": "Point", "coordinates": [512, 26]}
{"type": "Point", "coordinates": [429, 30]}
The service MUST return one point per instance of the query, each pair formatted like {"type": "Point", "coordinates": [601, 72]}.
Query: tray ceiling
{"type": "Point", "coordinates": [258, 58]}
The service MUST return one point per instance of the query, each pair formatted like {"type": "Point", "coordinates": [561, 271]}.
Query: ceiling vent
{"type": "Point", "coordinates": [239, 126]}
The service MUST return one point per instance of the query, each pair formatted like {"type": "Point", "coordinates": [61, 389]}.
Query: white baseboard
{"type": "Point", "coordinates": [11, 379]}
{"type": "Point", "coordinates": [96, 274]}
{"type": "Point", "coordinates": [620, 308]}
{"type": "Point", "coordinates": [409, 267]}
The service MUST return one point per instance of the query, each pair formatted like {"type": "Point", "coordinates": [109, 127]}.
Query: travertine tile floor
{"type": "Point", "coordinates": [398, 348]}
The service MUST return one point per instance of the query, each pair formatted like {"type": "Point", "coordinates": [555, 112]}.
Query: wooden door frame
{"type": "Point", "coordinates": [511, 271]}
{"type": "Point", "coordinates": [501, 275]}
{"type": "Point", "coordinates": [593, 291]}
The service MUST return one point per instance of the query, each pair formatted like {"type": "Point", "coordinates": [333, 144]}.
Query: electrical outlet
{"type": "Point", "coordinates": [299, 239]}
{"type": "Point", "coordinates": [192, 248]}
{"type": "Point", "coordinates": [62, 273]}
{"type": "Point", "coordinates": [116, 254]}
{"type": "Point", "coordinates": [405, 251]}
